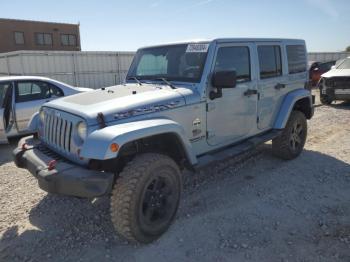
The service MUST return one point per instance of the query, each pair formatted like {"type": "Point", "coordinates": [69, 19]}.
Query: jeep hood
{"type": "Point", "coordinates": [122, 101]}
{"type": "Point", "coordinates": [337, 72]}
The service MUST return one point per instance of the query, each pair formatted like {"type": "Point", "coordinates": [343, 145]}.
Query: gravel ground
{"type": "Point", "coordinates": [251, 208]}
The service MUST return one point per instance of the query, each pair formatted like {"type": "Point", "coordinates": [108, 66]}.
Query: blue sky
{"type": "Point", "coordinates": [127, 25]}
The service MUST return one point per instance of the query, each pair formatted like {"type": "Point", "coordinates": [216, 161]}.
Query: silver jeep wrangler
{"type": "Point", "coordinates": [183, 105]}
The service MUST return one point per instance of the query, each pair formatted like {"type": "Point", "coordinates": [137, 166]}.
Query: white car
{"type": "Point", "coordinates": [22, 96]}
{"type": "Point", "coordinates": [335, 84]}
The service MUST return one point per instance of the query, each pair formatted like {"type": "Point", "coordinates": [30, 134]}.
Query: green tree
{"type": "Point", "coordinates": [347, 49]}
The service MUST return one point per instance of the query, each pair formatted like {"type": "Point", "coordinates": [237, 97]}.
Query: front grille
{"type": "Point", "coordinates": [341, 82]}
{"type": "Point", "coordinates": [58, 131]}
{"type": "Point", "coordinates": [48, 152]}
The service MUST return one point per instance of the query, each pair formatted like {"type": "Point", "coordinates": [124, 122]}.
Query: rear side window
{"type": "Point", "coordinates": [270, 61]}
{"type": "Point", "coordinates": [296, 59]}
{"type": "Point", "coordinates": [234, 58]}
{"type": "Point", "coordinates": [31, 90]}
{"type": "Point", "coordinates": [55, 91]}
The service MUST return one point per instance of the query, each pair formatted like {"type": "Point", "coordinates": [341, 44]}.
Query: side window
{"type": "Point", "coordinates": [43, 38]}
{"type": "Point", "coordinates": [68, 40]}
{"type": "Point", "coordinates": [270, 61]}
{"type": "Point", "coordinates": [296, 59]}
{"type": "Point", "coordinates": [31, 90]}
{"type": "Point", "coordinates": [19, 38]}
{"type": "Point", "coordinates": [55, 91]}
{"type": "Point", "coordinates": [234, 58]}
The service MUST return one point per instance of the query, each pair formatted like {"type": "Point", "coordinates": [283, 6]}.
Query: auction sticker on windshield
{"type": "Point", "coordinates": [197, 48]}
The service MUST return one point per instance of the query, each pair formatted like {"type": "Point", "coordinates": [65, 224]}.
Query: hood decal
{"type": "Point", "coordinates": [147, 109]}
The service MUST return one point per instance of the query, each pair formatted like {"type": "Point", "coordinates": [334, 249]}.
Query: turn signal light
{"type": "Point", "coordinates": [114, 147]}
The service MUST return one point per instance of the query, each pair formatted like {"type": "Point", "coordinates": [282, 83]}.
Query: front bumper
{"type": "Point", "coordinates": [66, 178]}
{"type": "Point", "coordinates": [337, 89]}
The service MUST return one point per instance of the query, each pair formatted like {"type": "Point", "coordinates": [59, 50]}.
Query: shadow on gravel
{"type": "Point", "coordinates": [69, 229]}
{"type": "Point", "coordinates": [6, 151]}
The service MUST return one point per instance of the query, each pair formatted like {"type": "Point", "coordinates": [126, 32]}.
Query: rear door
{"type": "Point", "coordinates": [30, 95]}
{"type": "Point", "coordinates": [272, 82]}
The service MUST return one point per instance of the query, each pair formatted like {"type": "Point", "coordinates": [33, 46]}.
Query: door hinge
{"type": "Point", "coordinates": [258, 95]}
{"type": "Point", "coordinates": [210, 107]}
{"type": "Point", "coordinates": [210, 134]}
{"type": "Point", "coordinates": [257, 119]}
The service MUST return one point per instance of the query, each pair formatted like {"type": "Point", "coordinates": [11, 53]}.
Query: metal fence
{"type": "Point", "coordinates": [90, 69]}
{"type": "Point", "coordinates": [86, 69]}
{"type": "Point", "coordinates": [327, 56]}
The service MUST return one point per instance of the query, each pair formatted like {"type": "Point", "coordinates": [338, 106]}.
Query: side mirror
{"type": "Point", "coordinates": [224, 79]}
{"type": "Point", "coordinates": [220, 80]}
{"type": "Point", "coordinates": [333, 67]}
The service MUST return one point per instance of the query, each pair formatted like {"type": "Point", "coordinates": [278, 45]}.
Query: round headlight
{"type": "Point", "coordinates": [41, 115]}
{"type": "Point", "coordinates": [82, 130]}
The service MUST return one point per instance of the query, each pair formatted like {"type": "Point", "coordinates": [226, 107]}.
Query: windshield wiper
{"type": "Point", "coordinates": [136, 79]}
{"type": "Point", "coordinates": [165, 81]}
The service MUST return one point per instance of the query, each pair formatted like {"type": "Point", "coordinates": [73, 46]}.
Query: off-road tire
{"type": "Point", "coordinates": [326, 100]}
{"type": "Point", "coordinates": [282, 146]}
{"type": "Point", "coordinates": [134, 186]}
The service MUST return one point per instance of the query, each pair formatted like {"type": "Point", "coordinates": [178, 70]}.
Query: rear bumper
{"type": "Point", "coordinates": [66, 178]}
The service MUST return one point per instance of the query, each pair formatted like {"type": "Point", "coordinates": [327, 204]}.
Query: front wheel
{"type": "Point", "coordinates": [291, 142]}
{"type": "Point", "coordinates": [145, 197]}
{"type": "Point", "coordinates": [326, 100]}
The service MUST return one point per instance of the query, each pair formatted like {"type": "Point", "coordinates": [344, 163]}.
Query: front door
{"type": "Point", "coordinates": [234, 115]}
{"type": "Point", "coordinates": [7, 123]}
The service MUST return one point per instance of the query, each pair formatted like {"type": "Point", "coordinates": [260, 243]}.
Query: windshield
{"type": "Point", "coordinates": [183, 62]}
{"type": "Point", "coordinates": [345, 64]}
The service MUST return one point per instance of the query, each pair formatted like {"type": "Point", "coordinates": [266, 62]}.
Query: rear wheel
{"type": "Point", "coordinates": [291, 142]}
{"type": "Point", "coordinates": [146, 197]}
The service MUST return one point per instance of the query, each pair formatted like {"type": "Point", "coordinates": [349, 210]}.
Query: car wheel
{"type": "Point", "coordinates": [291, 142]}
{"type": "Point", "coordinates": [146, 197]}
{"type": "Point", "coordinates": [326, 100]}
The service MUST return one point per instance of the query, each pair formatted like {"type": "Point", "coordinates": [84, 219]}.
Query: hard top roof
{"type": "Point", "coordinates": [230, 40]}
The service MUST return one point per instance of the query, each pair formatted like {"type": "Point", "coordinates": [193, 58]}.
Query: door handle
{"type": "Point", "coordinates": [250, 92]}
{"type": "Point", "coordinates": [280, 86]}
